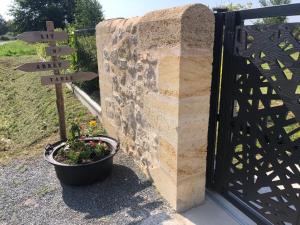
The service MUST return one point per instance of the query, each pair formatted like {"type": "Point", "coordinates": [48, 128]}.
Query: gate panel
{"type": "Point", "coordinates": [258, 145]}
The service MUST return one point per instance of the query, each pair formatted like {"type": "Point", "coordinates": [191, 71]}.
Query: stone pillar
{"type": "Point", "coordinates": [155, 74]}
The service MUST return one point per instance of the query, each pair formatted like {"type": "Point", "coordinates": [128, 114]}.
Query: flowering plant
{"type": "Point", "coordinates": [80, 151]}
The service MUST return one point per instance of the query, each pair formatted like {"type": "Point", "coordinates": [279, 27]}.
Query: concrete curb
{"type": "Point", "coordinates": [89, 103]}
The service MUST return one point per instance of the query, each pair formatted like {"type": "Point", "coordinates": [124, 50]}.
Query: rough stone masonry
{"type": "Point", "coordinates": [155, 74]}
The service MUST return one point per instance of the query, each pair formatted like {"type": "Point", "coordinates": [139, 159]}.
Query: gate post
{"type": "Point", "coordinates": [215, 94]}
{"type": "Point", "coordinates": [155, 76]}
{"type": "Point", "coordinates": [194, 100]}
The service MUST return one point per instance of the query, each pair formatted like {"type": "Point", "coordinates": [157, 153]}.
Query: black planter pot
{"type": "Point", "coordinates": [83, 174]}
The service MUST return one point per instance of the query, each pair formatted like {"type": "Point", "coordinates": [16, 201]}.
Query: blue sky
{"type": "Point", "coordinates": [130, 8]}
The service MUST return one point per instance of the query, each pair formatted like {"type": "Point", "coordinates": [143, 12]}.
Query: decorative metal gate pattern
{"type": "Point", "coordinates": [257, 164]}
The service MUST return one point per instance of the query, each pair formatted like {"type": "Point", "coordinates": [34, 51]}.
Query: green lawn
{"type": "Point", "coordinates": [28, 109]}
{"type": "Point", "coordinates": [17, 48]}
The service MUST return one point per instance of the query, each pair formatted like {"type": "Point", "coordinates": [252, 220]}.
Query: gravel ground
{"type": "Point", "coordinates": [31, 194]}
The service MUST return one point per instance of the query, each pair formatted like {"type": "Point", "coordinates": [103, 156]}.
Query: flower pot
{"type": "Point", "coordinates": [83, 174]}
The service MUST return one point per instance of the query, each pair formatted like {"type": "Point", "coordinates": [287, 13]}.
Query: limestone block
{"type": "Point", "coordinates": [165, 104]}
{"type": "Point", "coordinates": [197, 28]}
{"type": "Point", "coordinates": [165, 126]}
{"type": "Point", "coordinates": [167, 156]}
{"type": "Point", "coordinates": [168, 77]}
{"type": "Point", "coordinates": [195, 75]}
{"type": "Point", "coordinates": [165, 185]}
{"type": "Point", "coordinates": [188, 136]}
{"type": "Point", "coordinates": [195, 105]}
{"type": "Point", "coordinates": [161, 28]}
{"type": "Point", "coordinates": [190, 191]}
{"type": "Point", "coordinates": [192, 161]}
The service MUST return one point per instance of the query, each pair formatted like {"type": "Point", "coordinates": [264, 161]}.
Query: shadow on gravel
{"type": "Point", "coordinates": [117, 192]}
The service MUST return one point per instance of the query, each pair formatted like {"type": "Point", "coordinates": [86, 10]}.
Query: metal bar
{"type": "Point", "coordinates": [272, 11]}
{"type": "Point", "coordinates": [226, 102]}
{"type": "Point", "coordinates": [88, 30]}
{"type": "Point", "coordinates": [298, 219]}
{"type": "Point", "coordinates": [214, 98]}
{"type": "Point", "coordinates": [245, 208]}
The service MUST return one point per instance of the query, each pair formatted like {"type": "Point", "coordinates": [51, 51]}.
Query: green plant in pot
{"type": "Point", "coordinates": [86, 157]}
{"type": "Point", "coordinates": [79, 151]}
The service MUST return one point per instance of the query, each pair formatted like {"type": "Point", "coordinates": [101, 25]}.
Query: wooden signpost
{"type": "Point", "coordinates": [80, 76]}
{"type": "Point", "coordinates": [43, 66]}
{"type": "Point", "coordinates": [43, 36]}
{"type": "Point", "coordinates": [59, 50]}
{"type": "Point", "coordinates": [55, 64]}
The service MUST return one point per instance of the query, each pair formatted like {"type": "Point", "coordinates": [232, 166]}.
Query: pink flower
{"type": "Point", "coordinates": [92, 144]}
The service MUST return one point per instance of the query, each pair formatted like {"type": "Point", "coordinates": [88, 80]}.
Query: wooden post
{"type": "Point", "coordinates": [58, 89]}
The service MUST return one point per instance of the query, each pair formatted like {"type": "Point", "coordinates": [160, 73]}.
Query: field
{"type": "Point", "coordinates": [17, 48]}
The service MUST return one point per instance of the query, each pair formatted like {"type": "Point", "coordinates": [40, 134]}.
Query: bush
{"type": "Point", "coordinates": [86, 52]}
{"type": "Point", "coordinates": [3, 26]}
{"type": "Point", "coordinates": [4, 38]}
{"type": "Point", "coordinates": [85, 58]}
{"type": "Point", "coordinates": [87, 61]}
{"type": "Point", "coordinates": [72, 57]}
{"type": "Point", "coordinates": [40, 50]}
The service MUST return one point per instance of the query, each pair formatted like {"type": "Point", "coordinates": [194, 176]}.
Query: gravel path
{"type": "Point", "coordinates": [31, 194]}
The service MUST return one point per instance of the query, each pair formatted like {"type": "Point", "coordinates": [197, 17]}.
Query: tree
{"type": "Point", "coordinates": [9, 24]}
{"type": "Point", "coordinates": [32, 14]}
{"type": "Point", "coordinates": [235, 7]}
{"type": "Point", "coordinates": [277, 19]}
{"type": "Point", "coordinates": [87, 13]}
{"type": "Point", "coordinates": [3, 26]}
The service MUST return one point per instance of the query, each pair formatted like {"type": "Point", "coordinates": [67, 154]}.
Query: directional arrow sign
{"type": "Point", "coordinates": [43, 66]}
{"type": "Point", "coordinates": [42, 36]}
{"type": "Point", "coordinates": [57, 79]}
{"type": "Point", "coordinates": [59, 50]}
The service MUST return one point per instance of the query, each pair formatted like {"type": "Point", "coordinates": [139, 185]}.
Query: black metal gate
{"type": "Point", "coordinates": [254, 134]}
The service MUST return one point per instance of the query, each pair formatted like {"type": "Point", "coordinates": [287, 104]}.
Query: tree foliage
{"type": "Point", "coordinates": [32, 14]}
{"type": "Point", "coordinates": [235, 7]}
{"type": "Point", "coordinates": [3, 26]}
{"type": "Point", "coordinates": [277, 19]}
{"type": "Point", "coordinates": [87, 13]}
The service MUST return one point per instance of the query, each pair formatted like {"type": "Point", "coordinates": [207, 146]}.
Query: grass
{"type": "Point", "coordinates": [28, 116]}
{"type": "Point", "coordinates": [17, 48]}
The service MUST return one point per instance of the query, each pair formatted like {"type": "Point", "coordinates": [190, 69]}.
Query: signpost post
{"type": "Point", "coordinates": [55, 64]}
{"type": "Point", "coordinates": [58, 89]}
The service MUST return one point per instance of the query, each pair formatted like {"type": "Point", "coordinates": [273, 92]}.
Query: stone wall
{"type": "Point", "coordinates": [155, 74]}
